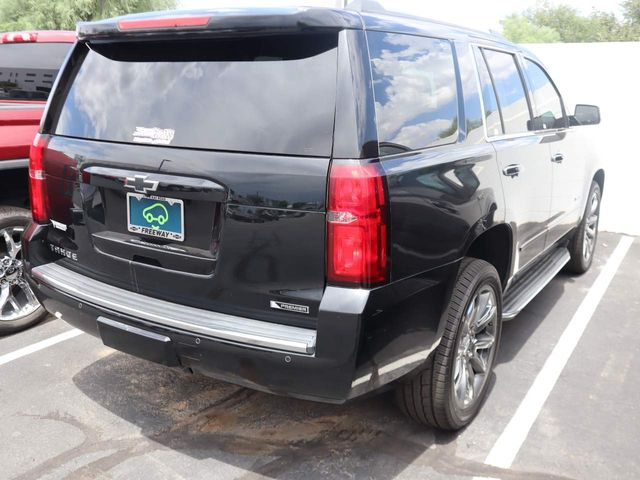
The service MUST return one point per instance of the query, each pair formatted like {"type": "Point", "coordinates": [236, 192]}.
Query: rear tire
{"type": "Point", "coordinates": [12, 286]}
{"type": "Point", "coordinates": [583, 243]}
{"type": "Point", "coordinates": [437, 394]}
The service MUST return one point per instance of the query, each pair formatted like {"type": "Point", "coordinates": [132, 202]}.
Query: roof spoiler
{"type": "Point", "coordinates": [231, 20]}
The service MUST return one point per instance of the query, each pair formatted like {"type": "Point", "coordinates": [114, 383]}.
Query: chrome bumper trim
{"type": "Point", "coordinates": [11, 164]}
{"type": "Point", "coordinates": [243, 331]}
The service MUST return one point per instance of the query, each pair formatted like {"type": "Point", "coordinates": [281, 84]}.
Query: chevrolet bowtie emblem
{"type": "Point", "coordinates": [140, 184]}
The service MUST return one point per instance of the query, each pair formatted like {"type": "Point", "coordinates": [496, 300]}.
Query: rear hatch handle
{"type": "Point", "coordinates": [152, 183]}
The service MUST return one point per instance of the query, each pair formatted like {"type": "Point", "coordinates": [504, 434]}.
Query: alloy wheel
{"type": "Point", "coordinates": [17, 300]}
{"type": "Point", "coordinates": [476, 347]}
{"type": "Point", "coordinates": [591, 227]}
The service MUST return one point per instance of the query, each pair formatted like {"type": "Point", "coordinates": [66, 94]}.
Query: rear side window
{"type": "Point", "coordinates": [28, 70]}
{"type": "Point", "coordinates": [491, 110]}
{"type": "Point", "coordinates": [547, 105]}
{"type": "Point", "coordinates": [472, 105]}
{"type": "Point", "coordinates": [415, 90]}
{"type": "Point", "coordinates": [273, 94]}
{"type": "Point", "coordinates": [512, 98]}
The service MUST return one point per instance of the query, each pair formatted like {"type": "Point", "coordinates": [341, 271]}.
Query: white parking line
{"type": "Point", "coordinates": [29, 349]}
{"type": "Point", "coordinates": [510, 441]}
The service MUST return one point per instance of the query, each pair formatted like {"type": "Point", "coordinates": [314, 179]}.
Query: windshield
{"type": "Point", "coordinates": [271, 94]}
{"type": "Point", "coordinates": [28, 70]}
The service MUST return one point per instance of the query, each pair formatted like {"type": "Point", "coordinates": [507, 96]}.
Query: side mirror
{"type": "Point", "coordinates": [587, 115]}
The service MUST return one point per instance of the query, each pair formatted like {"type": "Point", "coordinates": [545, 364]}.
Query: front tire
{"type": "Point", "coordinates": [449, 391]}
{"type": "Point", "coordinates": [583, 243]}
{"type": "Point", "coordinates": [19, 307]}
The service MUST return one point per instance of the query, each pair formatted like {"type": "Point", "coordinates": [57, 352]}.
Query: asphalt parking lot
{"type": "Point", "coordinates": [77, 409]}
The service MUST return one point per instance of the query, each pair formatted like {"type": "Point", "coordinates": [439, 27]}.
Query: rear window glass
{"type": "Point", "coordinates": [28, 70]}
{"type": "Point", "coordinates": [415, 90]}
{"type": "Point", "coordinates": [272, 94]}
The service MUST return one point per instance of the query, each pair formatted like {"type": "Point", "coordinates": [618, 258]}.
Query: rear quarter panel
{"type": "Point", "coordinates": [440, 200]}
{"type": "Point", "coordinates": [18, 126]}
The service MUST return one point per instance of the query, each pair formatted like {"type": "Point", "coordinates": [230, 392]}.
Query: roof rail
{"type": "Point", "coordinates": [371, 6]}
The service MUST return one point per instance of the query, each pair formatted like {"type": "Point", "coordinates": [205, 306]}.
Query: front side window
{"type": "Point", "coordinates": [414, 81]}
{"type": "Point", "coordinates": [547, 105]}
{"type": "Point", "coordinates": [510, 90]}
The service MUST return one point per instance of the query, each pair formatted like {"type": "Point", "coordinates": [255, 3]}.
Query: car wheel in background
{"type": "Point", "coordinates": [583, 243]}
{"type": "Point", "coordinates": [19, 307]}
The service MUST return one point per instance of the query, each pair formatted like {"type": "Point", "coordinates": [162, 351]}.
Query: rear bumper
{"type": "Point", "coordinates": [242, 331]}
{"type": "Point", "coordinates": [261, 355]}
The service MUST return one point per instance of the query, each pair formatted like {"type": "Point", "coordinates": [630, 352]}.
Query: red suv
{"type": "Point", "coordinates": [29, 64]}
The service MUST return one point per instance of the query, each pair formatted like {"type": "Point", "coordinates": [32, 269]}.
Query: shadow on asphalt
{"type": "Point", "coordinates": [206, 418]}
{"type": "Point", "coordinates": [273, 436]}
{"type": "Point", "coordinates": [516, 332]}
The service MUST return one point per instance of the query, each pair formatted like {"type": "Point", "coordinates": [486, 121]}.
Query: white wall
{"type": "Point", "coordinates": [607, 75]}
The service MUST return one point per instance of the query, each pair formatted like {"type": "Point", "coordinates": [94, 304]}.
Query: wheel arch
{"type": "Point", "coordinates": [495, 246]}
{"type": "Point", "coordinates": [598, 177]}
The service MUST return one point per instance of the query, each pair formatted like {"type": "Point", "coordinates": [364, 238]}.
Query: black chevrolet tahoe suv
{"type": "Point", "coordinates": [312, 202]}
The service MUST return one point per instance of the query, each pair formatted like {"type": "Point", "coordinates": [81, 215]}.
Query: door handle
{"type": "Point", "coordinates": [557, 158]}
{"type": "Point", "coordinates": [512, 170]}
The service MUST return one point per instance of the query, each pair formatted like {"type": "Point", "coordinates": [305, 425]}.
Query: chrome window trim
{"type": "Point", "coordinates": [218, 326]}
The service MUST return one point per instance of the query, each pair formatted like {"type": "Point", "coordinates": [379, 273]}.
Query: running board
{"type": "Point", "coordinates": [525, 289]}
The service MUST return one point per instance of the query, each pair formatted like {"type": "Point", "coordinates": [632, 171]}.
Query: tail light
{"type": "Point", "coordinates": [37, 186]}
{"type": "Point", "coordinates": [356, 226]}
{"type": "Point", "coordinates": [19, 37]}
